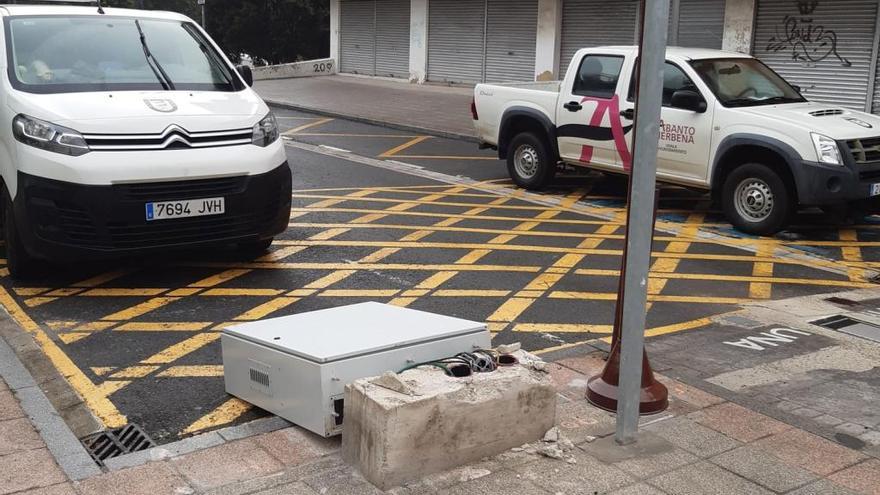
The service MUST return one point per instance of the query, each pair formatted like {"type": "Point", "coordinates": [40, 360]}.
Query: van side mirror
{"type": "Point", "coordinates": [246, 73]}
{"type": "Point", "coordinates": [688, 100]}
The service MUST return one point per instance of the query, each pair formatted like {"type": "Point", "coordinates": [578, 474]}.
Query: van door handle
{"type": "Point", "coordinates": [573, 106]}
{"type": "Point", "coordinates": [628, 114]}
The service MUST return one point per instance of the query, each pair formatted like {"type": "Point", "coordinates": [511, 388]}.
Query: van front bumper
{"type": "Point", "coordinates": [820, 184]}
{"type": "Point", "coordinates": [66, 221]}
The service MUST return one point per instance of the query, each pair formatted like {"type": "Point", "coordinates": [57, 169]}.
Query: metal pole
{"type": "Point", "coordinates": [641, 207]}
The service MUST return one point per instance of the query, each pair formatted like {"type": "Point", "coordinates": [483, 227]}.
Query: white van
{"type": "Point", "coordinates": [127, 132]}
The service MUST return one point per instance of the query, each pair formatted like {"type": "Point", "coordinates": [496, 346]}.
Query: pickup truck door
{"type": "Point", "coordinates": [588, 122]}
{"type": "Point", "coordinates": [685, 134]}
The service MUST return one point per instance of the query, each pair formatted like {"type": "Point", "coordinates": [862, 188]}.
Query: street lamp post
{"type": "Point", "coordinates": [202, 3]}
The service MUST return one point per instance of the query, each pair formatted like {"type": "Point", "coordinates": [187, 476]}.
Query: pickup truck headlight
{"type": "Point", "coordinates": [48, 136]}
{"type": "Point", "coordinates": [827, 149]}
{"type": "Point", "coordinates": [266, 131]}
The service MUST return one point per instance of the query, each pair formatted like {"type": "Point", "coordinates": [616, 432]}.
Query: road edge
{"type": "Point", "coordinates": [367, 120]}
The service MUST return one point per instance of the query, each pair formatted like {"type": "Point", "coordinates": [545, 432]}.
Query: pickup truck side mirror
{"type": "Point", "coordinates": [688, 100]}
{"type": "Point", "coordinates": [246, 73]}
{"type": "Point", "coordinates": [796, 88]}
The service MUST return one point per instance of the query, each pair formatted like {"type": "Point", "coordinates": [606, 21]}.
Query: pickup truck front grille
{"type": "Point", "coordinates": [866, 150]}
{"type": "Point", "coordinates": [173, 137]}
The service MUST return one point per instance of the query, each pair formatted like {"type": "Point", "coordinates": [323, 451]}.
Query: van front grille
{"type": "Point", "coordinates": [173, 137]}
{"type": "Point", "coordinates": [865, 150]}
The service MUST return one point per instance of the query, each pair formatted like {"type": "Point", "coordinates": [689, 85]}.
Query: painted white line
{"type": "Point", "coordinates": [583, 207]}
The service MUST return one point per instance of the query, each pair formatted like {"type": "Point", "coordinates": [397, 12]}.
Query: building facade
{"type": "Point", "coordinates": [827, 47]}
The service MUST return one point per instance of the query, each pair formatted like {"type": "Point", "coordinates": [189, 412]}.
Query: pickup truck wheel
{"type": "Point", "coordinates": [19, 263]}
{"type": "Point", "coordinates": [756, 200]}
{"type": "Point", "coordinates": [529, 162]}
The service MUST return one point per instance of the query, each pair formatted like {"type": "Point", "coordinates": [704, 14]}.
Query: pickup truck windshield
{"type": "Point", "coordinates": [740, 82]}
{"type": "Point", "coordinates": [52, 54]}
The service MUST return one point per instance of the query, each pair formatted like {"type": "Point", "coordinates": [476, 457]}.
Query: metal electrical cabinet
{"type": "Point", "coordinates": [297, 366]}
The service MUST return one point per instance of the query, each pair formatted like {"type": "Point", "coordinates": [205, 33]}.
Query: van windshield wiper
{"type": "Point", "coordinates": [160, 74]}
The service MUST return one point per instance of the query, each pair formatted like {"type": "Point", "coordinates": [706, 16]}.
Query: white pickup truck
{"type": "Point", "coordinates": [729, 125]}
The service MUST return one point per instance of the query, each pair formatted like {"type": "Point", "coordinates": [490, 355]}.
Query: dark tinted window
{"type": "Point", "coordinates": [674, 79]}
{"type": "Point", "coordinates": [597, 76]}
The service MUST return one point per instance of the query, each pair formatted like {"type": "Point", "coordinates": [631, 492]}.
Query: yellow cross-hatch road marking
{"type": "Point", "coordinates": [467, 203]}
{"type": "Point", "coordinates": [303, 127]}
{"type": "Point", "coordinates": [397, 149]}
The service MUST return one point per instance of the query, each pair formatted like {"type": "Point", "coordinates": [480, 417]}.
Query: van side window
{"type": "Point", "coordinates": [597, 76]}
{"type": "Point", "coordinates": [674, 79]}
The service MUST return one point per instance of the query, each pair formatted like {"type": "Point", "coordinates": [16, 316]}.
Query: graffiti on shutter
{"type": "Point", "coordinates": [808, 41]}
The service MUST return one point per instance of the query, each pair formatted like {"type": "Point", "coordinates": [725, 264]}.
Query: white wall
{"type": "Point", "coordinates": [739, 25]}
{"type": "Point", "coordinates": [334, 29]}
{"type": "Point", "coordinates": [549, 40]}
{"type": "Point", "coordinates": [418, 41]}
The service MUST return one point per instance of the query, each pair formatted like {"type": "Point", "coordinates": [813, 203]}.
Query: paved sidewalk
{"type": "Point", "coordinates": [701, 445]}
{"type": "Point", "coordinates": [437, 110]}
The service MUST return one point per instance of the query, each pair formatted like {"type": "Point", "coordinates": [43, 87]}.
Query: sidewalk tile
{"type": "Point", "coordinates": [567, 381]}
{"type": "Point", "coordinates": [822, 487]}
{"type": "Point", "coordinates": [155, 478]}
{"type": "Point", "coordinates": [764, 469]}
{"type": "Point", "coordinates": [341, 481]}
{"type": "Point", "coordinates": [650, 465]}
{"type": "Point", "coordinates": [3, 386]}
{"type": "Point", "coordinates": [9, 408]}
{"type": "Point", "coordinates": [578, 419]}
{"type": "Point", "coordinates": [17, 435]}
{"type": "Point", "coordinates": [694, 438]}
{"type": "Point", "coordinates": [297, 488]}
{"type": "Point", "coordinates": [288, 446]}
{"type": "Point", "coordinates": [862, 478]}
{"type": "Point", "coordinates": [439, 482]}
{"type": "Point", "coordinates": [61, 489]}
{"type": "Point", "coordinates": [227, 463]}
{"type": "Point", "coordinates": [501, 482]}
{"type": "Point", "coordinates": [289, 476]}
{"type": "Point", "coordinates": [590, 365]}
{"type": "Point", "coordinates": [588, 476]}
{"type": "Point", "coordinates": [638, 489]}
{"type": "Point", "coordinates": [704, 478]}
{"type": "Point", "coordinates": [737, 422]}
{"type": "Point", "coordinates": [29, 469]}
{"type": "Point", "coordinates": [799, 448]}
{"type": "Point", "coordinates": [688, 393]}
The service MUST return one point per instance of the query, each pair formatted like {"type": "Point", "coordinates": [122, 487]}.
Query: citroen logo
{"type": "Point", "coordinates": [160, 105]}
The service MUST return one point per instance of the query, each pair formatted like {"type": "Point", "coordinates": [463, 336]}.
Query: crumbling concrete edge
{"type": "Point", "coordinates": [67, 450]}
{"type": "Point", "coordinates": [372, 121]}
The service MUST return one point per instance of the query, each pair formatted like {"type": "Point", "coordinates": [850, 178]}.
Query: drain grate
{"type": "Point", "coordinates": [850, 326]}
{"type": "Point", "coordinates": [114, 443]}
{"type": "Point", "coordinates": [841, 301]}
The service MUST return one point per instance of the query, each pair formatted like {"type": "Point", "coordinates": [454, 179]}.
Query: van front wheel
{"type": "Point", "coordinates": [756, 200]}
{"type": "Point", "coordinates": [529, 162]}
{"type": "Point", "coordinates": [19, 263]}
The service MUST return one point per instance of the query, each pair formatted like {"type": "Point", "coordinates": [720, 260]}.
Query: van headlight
{"type": "Point", "coordinates": [266, 131]}
{"type": "Point", "coordinates": [48, 136]}
{"type": "Point", "coordinates": [827, 149]}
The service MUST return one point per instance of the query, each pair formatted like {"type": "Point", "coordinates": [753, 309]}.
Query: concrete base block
{"type": "Point", "coordinates": [444, 422]}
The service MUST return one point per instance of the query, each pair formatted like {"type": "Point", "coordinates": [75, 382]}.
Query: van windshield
{"type": "Point", "coordinates": [739, 82]}
{"type": "Point", "coordinates": [53, 54]}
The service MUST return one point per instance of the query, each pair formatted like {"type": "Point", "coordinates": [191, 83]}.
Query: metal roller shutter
{"type": "Point", "coordinates": [455, 40]}
{"type": "Point", "coordinates": [587, 23]}
{"type": "Point", "coordinates": [392, 38]}
{"type": "Point", "coordinates": [357, 49]}
{"type": "Point", "coordinates": [512, 32]}
{"type": "Point", "coordinates": [700, 23]}
{"type": "Point", "coordinates": [830, 59]}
